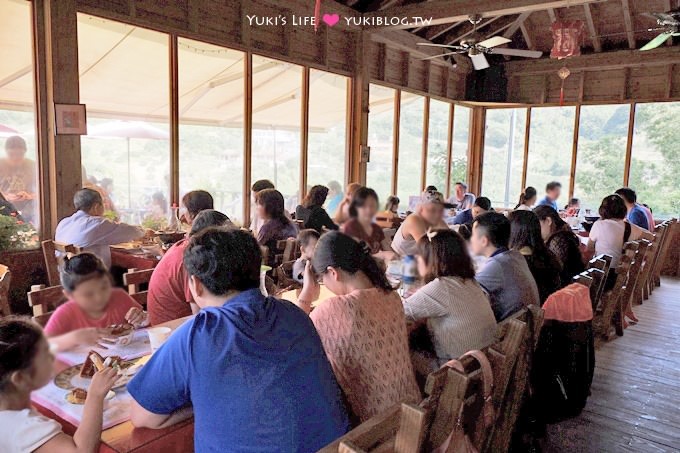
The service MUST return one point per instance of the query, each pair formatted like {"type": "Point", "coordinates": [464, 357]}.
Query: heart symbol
{"type": "Point", "coordinates": [331, 19]}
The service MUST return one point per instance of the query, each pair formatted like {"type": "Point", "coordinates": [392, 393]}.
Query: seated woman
{"type": "Point", "coordinates": [526, 199]}
{"type": "Point", "coordinates": [391, 207]}
{"type": "Point", "coordinates": [363, 329]}
{"type": "Point", "coordinates": [362, 227]}
{"type": "Point", "coordinates": [458, 313]}
{"type": "Point", "coordinates": [307, 240]}
{"type": "Point", "coordinates": [525, 237]}
{"type": "Point", "coordinates": [429, 214]}
{"type": "Point", "coordinates": [562, 242]}
{"type": "Point", "coordinates": [342, 214]}
{"type": "Point", "coordinates": [169, 296]}
{"type": "Point", "coordinates": [93, 304]}
{"type": "Point", "coordinates": [276, 227]}
{"type": "Point", "coordinates": [573, 207]}
{"type": "Point", "coordinates": [27, 365]}
{"type": "Point", "coordinates": [311, 211]}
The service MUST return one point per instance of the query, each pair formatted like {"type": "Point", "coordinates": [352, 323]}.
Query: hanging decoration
{"type": "Point", "coordinates": [567, 38]}
{"type": "Point", "coordinates": [317, 15]}
{"type": "Point", "coordinates": [563, 73]}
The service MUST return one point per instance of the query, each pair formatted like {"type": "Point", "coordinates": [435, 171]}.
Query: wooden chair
{"type": "Point", "coordinates": [5, 280]}
{"type": "Point", "coordinates": [44, 300]}
{"type": "Point", "coordinates": [602, 263]}
{"type": "Point", "coordinates": [133, 279]}
{"type": "Point", "coordinates": [646, 256]}
{"type": "Point", "coordinates": [659, 232]}
{"type": "Point", "coordinates": [283, 277]}
{"type": "Point", "coordinates": [664, 246]}
{"type": "Point", "coordinates": [598, 277]}
{"type": "Point", "coordinates": [584, 279]}
{"type": "Point", "coordinates": [610, 305]}
{"type": "Point", "coordinates": [628, 294]}
{"type": "Point", "coordinates": [50, 249]}
{"type": "Point", "coordinates": [289, 248]}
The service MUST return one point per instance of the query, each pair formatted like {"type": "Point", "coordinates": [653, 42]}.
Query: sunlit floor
{"type": "Point", "coordinates": [635, 402]}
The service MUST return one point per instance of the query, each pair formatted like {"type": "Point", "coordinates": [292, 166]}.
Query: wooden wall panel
{"type": "Point", "coordinates": [418, 74]}
{"type": "Point", "coordinates": [218, 22]}
{"type": "Point", "coordinates": [604, 85]}
{"type": "Point", "coordinates": [342, 50]}
{"type": "Point", "coordinates": [648, 82]}
{"type": "Point", "coordinates": [571, 88]}
{"type": "Point", "coordinates": [393, 66]}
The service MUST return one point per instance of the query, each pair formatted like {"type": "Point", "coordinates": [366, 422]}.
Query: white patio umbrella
{"type": "Point", "coordinates": [6, 131]}
{"type": "Point", "coordinates": [128, 130]}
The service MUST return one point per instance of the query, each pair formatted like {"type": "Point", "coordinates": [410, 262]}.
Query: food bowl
{"type": "Point", "coordinates": [170, 237]}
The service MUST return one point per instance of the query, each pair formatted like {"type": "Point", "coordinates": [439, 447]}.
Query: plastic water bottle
{"type": "Point", "coordinates": [409, 269]}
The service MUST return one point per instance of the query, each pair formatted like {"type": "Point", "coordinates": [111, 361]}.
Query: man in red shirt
{"type": "Point", "coordinates": [169, 296]}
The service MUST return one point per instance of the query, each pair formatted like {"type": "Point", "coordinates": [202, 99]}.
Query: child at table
{"type": "Point", "coordinates": [93, 305]}
{"type": "Point", "coordinates": [307, 239]}
{"type": "Point", "coordinates": [25, 366]}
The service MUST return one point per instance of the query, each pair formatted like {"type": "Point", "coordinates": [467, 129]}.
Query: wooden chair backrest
{"type": "Point", "coordinates": [44, 300]}
{"type": "Point", "coordinates": [647, 253]}
{"type": "Point", "coordinates": [664, 247]}
{"type": "Point", "coordinates": [289, 249]}
{"type": "Point", "coordinates": [610, 300]}
{"type": "Point", "coordinates": [133, 278]}
{"type": "Point", "coordinates": [50, 249]}
{"type": "Point", "coordinates": [5, 280]}
{"type": "Point", "coordinates": [602, 263]}
{"type": "Point", "coordinates": [634, 272]}
{"type": "Point", "coordinates": [283, 276]}
{"type": "Point", "coordinates": [584, 279]}
{"type": "Point", "coordinates": [597, 277]}
{"type": "Point", "coordinates": [265, 254]}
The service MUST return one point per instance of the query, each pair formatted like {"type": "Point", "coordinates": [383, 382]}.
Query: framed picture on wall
{"type": "Point", "coordinates": [70, 119]}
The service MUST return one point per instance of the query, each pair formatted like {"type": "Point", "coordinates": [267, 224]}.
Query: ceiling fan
{"type": "Point", "coordinates": [475, 47]}
{"type": "Point", "coordinates": [670, 23]}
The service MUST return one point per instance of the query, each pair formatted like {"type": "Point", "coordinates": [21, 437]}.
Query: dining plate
{"type": "Point", "coordinates": [70, 378]}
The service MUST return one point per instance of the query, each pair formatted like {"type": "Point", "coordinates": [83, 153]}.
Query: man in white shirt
{"type": "Point", "coordinates": [462, 198]}
{"type": "Point", "coordinates": [90, 231]}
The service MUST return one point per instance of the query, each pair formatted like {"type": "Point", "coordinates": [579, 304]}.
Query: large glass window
{"type": "Point", "coordinates": [124, 80]}
{"type": "Point", "coordinates": [600, 161]}
{"type": "Point", "coordinates": [381, 140]}
{"type": "Point", "coordinates": [655, 164]}
{"type": "Point", "coordinates": [411, 123]}
{"type": "Point", "coordinates": [327, 142]}
{"type": "Point", "coordinates": [20, 213]}
{"type": "Point", "coordinates": [211, 105]}
{"type": "Point", "coordinates": [438, 131]}
{"type": "Point", "coordinates": [550, 148]}
{"type": "Point", "coordinates": [277, 109]}
{"type": "Point", "coordinates": [503, 156]}
{"type": "Point", "coordinates": [461, 140]}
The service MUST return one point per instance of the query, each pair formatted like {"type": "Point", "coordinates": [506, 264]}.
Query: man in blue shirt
{"type": "Point", "coordinates": [553, 190]}
{"type": "Point", "coordinates": [505, 276]}
{"type": "Point", "coordinates": [636, 213]}
{"type": "Point", "coordinates": [250, 368]}
{"type": "Point", "coordinates": [480, 206]}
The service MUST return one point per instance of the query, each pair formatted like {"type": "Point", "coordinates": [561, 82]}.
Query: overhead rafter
{"type": "Point", "coordinates": [470, 30]}
{"type": "Point", "coordinates": [668, 7]}
{"type": "Point", "coordinates": [628, 22]}
{"type": "Point", "coordinates": [450, 11]}
{"type": "Point", "coordinates": [510, 32]}
{"type": "Point", "coordinates": [506, 22]}
{"type": "Point", "coordinates": [438, 30]}
{"type": "Point", "coordinates": [527, 36]}
{"type": "Point", "coordinates": [591, 29]}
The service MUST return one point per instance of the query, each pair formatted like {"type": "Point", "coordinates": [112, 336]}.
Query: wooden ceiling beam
{"type": "Point", "coordinates": [597, 45]}
{"type": "Point", "coordinates": [507, 22]}
{"type": "Point", "coordinates": [438, 30]}
{"type": "Point", "coordinates": [628, 22]}
{"type": "Point", "coordinates": [470, 31]}
{"type": "Point", "coordinates": [510, 32]}
{"type": "Point", "coordinates": [450, 11]}
{"type": "Point", "coordinates": [527, 36]}
{"type": "Point", "coordinates": [405, 41]}
{"type": "Point", "coordinates": [668, 7]}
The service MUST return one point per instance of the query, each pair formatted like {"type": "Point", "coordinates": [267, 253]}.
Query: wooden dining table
{"type": "Point", "coordinates": [128, 258]}
{"type": "Point", "coordinates": [125, 438]}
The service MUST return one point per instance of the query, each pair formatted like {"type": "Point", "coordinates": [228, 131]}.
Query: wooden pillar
{"type": "Point", "coordinates": [395, 142]}
{"type": "Point", "coordinates": [449, 150]}
{"type": "Point", "coordinates": [174, 120]}
{"type": "Point", "coordinates": [357, 137]}
{"type": "Point", "coordinates": [574, 151]}
{"type": "Point", "coordinates": [476, 149]}
{"type": "Point", "coordinates": [629, 145]}
{"type": "Point", "coordinates": [304, 133]}
{"type": "Point", "coordinates": [56, 48]}
{"type": "Point", "coordinates": [527, 136]}
{"type": "Point", "coordinates": [247, 134]}
{"type": "Point", "coordinates": [426, 139]}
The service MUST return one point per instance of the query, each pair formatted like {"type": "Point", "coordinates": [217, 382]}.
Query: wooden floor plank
{"type": "Point", "coordinates": [635, 401]}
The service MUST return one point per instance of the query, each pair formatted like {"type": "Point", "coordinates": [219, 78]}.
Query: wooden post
{"type": "Point", "coordinates": [629, 145]}
{"type": "Point", "coordinates": [247, 134]}
{"type": "Point", "coordinates": [476, 149]}
{"type": "Point", "coordinates": [395, 140]}
{"type": "Point", "coordinates": [58, 83]}
{"type": "Point", "coordinates": [357, 136]}
{"type": "Point", "coordinates": [174, 120]}
{"type": "Point", "coordinates": [426, 138]}
{"type": "Point", "coordinates": [574, 150]}
{"type": "Point", "coordinates": [449, 150]}
{"type": "Point", "coordinates": [304, 132]}
{"type": "Point", "coordinates": [527, 136]}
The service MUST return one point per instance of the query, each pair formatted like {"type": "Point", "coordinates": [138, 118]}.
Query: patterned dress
{"type": "Point", "coordinates": [365, 338]}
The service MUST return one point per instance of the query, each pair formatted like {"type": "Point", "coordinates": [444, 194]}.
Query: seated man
{"type": "Point", "coordinates": [553, 190]}
{"type": "Point", "coordinates": [169, 296]}
{"type": "Point", "coordinates": [429, 214]}
{"type": "Point", "coordinates": [252, 367]}
{"type": "Point", "coordinates": [462, 198]}
{"type": "Point", "coordinates": [480, 206]}
{"type": "Point", "coordinates": [90, 231]}
{"type": "Point", "coordinates": [194, 202]}
{"type": "Point", "coordinates": [505, 276]}
{"type": "Point", "coordinates": [637, 214]}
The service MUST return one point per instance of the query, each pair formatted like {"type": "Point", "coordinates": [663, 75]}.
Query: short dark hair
{"type": "Point", "coordinates": [495, 226]}
{"type": "Point", "coordinates": [86, 199]}
{"type": "Point", "coordinates": [359, 199]}
{"type": "Point", "coordinates": [627, 194]}
{"type": "Point", "coordinates": [81, 268]}
{"type": "Point", "coordinates": [573, 201]}
{"type": "Point", "coordinates": [15, 142]}
{"type": "Point", "coordinates": [273, 203]}
{"type": "Point", "coordinates": [340, 251]}
{"type": "Point", "coordinates": [208, 218]}
{"type": "Point", "coordinates": [483, 202]}
{"type": "Point", "coordinates": [224, 259]}
{"type": "Point", "coordinates": [446, 255]}
{"type": "Point", "coordinates": [196, 201]}
{"type": "Point", "coordinates": [19, 340]}
{"type": "Point", "coordinates": [316, 196]}
{"type": "Point", "coordinates": [552, 185]}
{"type": "Point", "coordinates": [431, 188]}
{"type": "Point", "coordinates": [304, 236]}
{"type": "Point", "coordinates": [613, 207]}
{"type": "Point", "coordinates": [462, 184]}
{"type": "Point", "coordinates": [262, 184]}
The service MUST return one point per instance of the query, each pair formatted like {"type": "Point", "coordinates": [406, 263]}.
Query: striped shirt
{"type": "Point", "coordinates": [459, 315]}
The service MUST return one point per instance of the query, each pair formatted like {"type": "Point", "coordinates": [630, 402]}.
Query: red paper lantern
{"type": "Point", "coordinates": [567, 37]}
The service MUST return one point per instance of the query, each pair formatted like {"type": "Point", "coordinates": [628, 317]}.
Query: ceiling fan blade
{"type": "Point", "coordinates": [431, 44]}
{"type": "Point", "coordinates": [656, 42]}
{"type": "Point", "coordinates": [493, 42]}
{"type": "Point", "coordinates": [664, 18]}
{"type": "Point", "coordinates": [517, 53]}
{"type": "Point", "coordinates": [479, 61]}
{"type": "Point", "coordinates": [442, 55]}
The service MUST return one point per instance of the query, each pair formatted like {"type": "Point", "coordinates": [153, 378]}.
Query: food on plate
{"type": "Point", "coordinates": [76, 396]}
{"type": "Point", "coordinates": [89, 367]}
{"type": "Point", "coordinates": [119, 330]}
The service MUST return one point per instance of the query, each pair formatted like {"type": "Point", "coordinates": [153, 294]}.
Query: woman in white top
{"type": "Point", "coordinates": [526, 199]}
{"type": "Point", "coordinates": [458, 313]}
{"type": "Point", "coordinates": [429, 214]}
{"type": "Point", "coordinates": [26, 365]}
